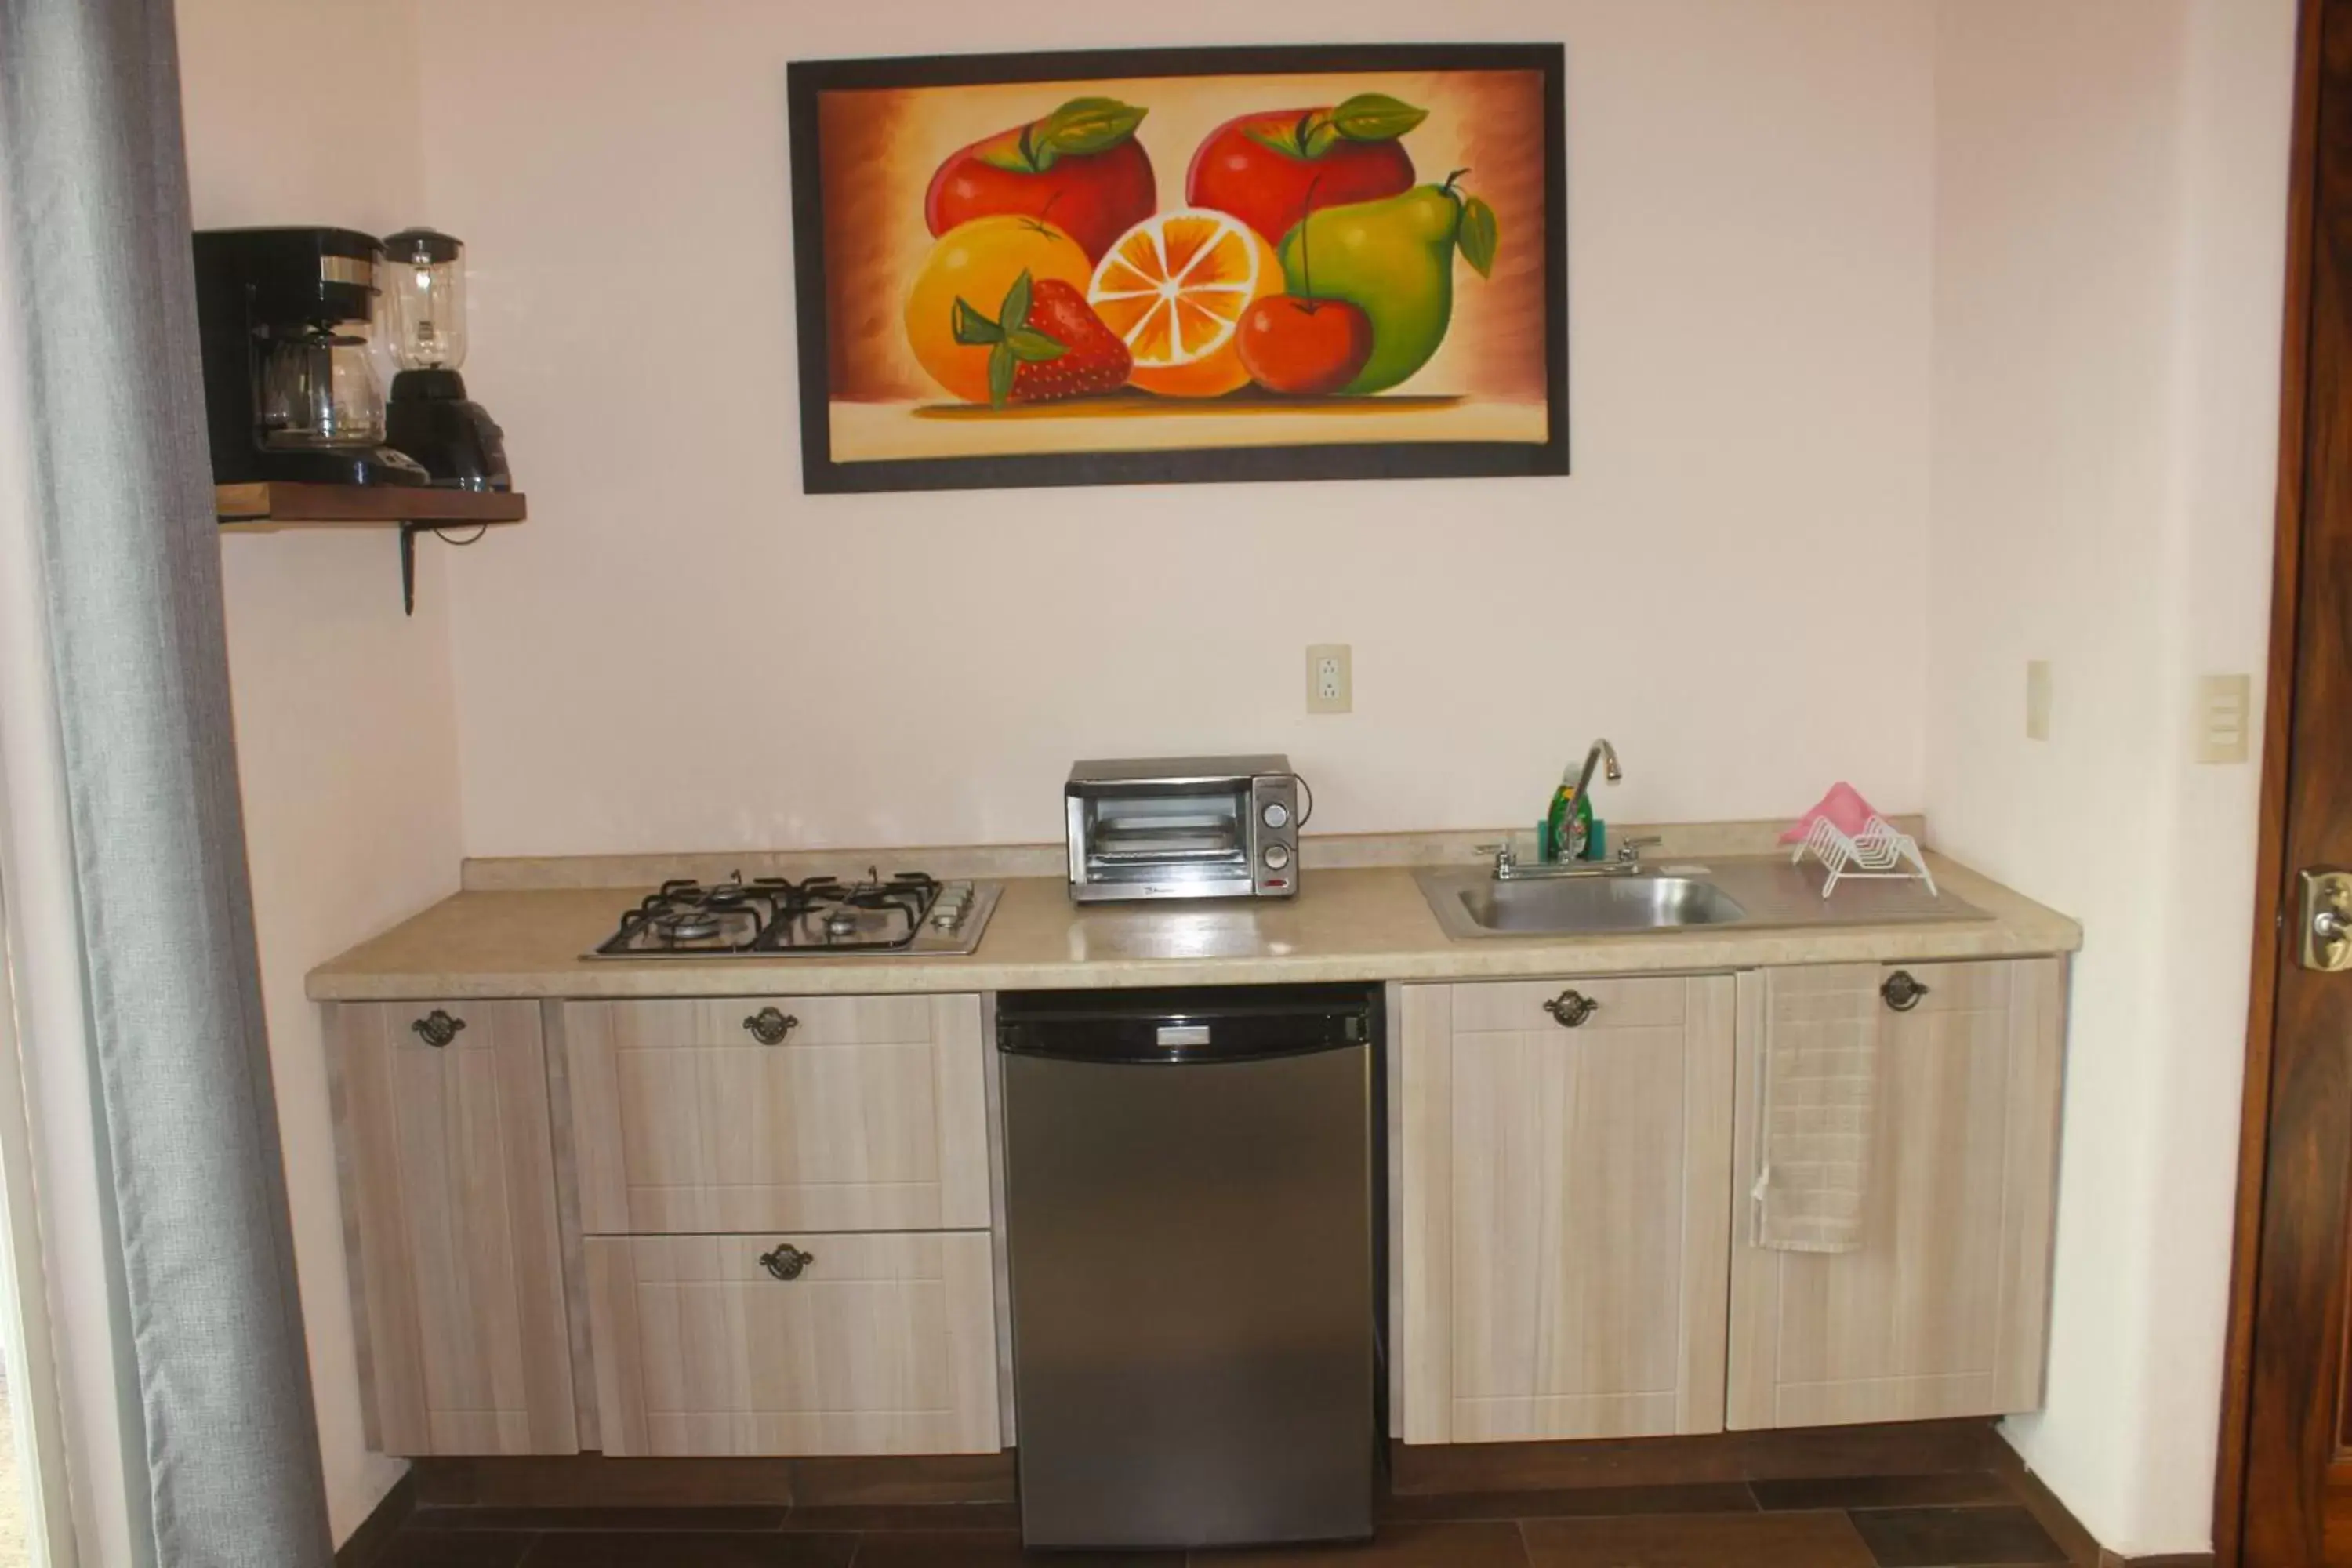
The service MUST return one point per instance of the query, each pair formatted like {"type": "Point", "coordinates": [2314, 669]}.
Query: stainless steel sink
{"type": "Point", "coordinates": [1475, 904]}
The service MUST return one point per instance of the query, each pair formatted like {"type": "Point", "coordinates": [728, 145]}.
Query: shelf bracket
{"type": "Point", "coordinates": [408, 531]}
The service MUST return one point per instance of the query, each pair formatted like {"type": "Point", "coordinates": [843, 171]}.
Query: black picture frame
{"type": "Point", "coordinates": [806, 81]}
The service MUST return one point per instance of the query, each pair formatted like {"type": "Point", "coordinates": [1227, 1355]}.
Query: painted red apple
{"type": "Point", "coordinates": [1262, 168]}
{"type": "Point", "coordinates": [1305, 347]}
{"type": "Point", "coordinates": [1081, 166]}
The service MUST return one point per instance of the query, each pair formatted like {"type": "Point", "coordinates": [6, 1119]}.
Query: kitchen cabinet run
{"type": "Point", "coordinates": [765, 1224]}
{"type": "Point", "coordinates": [1566, 1207]}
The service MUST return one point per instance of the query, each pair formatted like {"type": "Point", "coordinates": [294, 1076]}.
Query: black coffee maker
{"type": "Point", "coordinates": [282, 317]}
{"type": "Point", "coordinates": [430, 418]}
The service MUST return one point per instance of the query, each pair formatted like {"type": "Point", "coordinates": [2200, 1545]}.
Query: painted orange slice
{"type": "Point", "coordinates": [1174, 288]}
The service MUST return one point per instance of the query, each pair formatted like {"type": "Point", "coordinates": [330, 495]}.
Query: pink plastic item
{"type": "Point", "coordinates": [1843, 805]}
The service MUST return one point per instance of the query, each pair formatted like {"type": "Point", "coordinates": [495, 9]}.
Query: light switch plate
{"type": "Point", "coordinates": [2037, 700]}
{"type": "Point", "coordinates": [1331, 678]}
{"type": "Point", "coordinates": [2224, 717]}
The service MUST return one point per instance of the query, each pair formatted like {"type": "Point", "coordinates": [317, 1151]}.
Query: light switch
{"type": "Point", "coordinates": [2224, 715]}
{"type": "Point", "coordinates": [2037, 700]}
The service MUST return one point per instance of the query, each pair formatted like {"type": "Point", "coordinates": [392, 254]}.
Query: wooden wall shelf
{"type": "Point", "coordinates": [277, 504]}
{"type": "Point", "coordinates": [271, 505]}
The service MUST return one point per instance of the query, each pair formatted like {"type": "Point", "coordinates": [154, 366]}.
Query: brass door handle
{"type": "Point", "coordinates": [2326, 940]}
{"type": "Point", "coordinates": [1570, 1009]}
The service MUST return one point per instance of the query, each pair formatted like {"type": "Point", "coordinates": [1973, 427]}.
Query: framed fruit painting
{"type": "Point", "coordinates": [1167, 265]}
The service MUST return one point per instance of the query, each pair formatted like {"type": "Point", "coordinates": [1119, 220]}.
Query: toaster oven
{"type": "Point", "coordinates": [1185, 827]}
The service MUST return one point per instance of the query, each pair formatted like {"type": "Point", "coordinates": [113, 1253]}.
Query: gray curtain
{"type": "Point", "coordinates": [217, 1398]}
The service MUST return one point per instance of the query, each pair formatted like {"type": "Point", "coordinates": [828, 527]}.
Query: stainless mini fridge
{"type": "Point", "coordinates": [1189, 1214]}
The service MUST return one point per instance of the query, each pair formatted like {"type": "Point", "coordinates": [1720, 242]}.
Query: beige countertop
{"type": "Point", "coordinates": [1360, 923]}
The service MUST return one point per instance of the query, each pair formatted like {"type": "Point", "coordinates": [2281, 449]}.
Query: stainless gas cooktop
{"type": "Point", "coordinates": [904, 914]}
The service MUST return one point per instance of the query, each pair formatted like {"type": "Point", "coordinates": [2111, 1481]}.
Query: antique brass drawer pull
{"type": "Point", "coordinates": [1571, 1008]}
{"type": "Point", "coordinates": [769, 1026]}
{"type": "Point", "coordinates": [787, 1261]}
{"type": "Point", "coordinates": [1901, 992]}
{"type": "Point", "coordinates": [438, 1028]}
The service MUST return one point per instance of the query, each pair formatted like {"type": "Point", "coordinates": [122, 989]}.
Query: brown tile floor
{"type": "Point", "coordinates": [1969, 1520]}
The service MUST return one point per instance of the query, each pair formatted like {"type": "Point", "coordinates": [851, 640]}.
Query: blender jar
{"type": "Point", "coordinates": [426, 299]}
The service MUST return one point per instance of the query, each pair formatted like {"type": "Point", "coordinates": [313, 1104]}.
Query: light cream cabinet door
{"type": "Point", "coordinates": [1941, 1308]}
{"type": "Point", "coordinates": [850, 1113]}
{"type": "Point", "coordinates": [450, 1213]}
{"type": "Point", "coordinates": [1565, 1207]}
{"type": "Point", "coordinates": [877, 1344]}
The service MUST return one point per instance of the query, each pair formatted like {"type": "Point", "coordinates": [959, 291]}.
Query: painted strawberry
{"type": "Point", "coordinates": [1045, 343]}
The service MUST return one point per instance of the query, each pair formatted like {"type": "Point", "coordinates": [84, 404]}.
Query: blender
{"type": "Point", "coordinates": [430, 417]}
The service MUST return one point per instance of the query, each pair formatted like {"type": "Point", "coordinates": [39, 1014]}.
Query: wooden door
{"type": "Point", "coordinates": [1942, 1309]}
{"type": "Point", "coordinates": [2284, 1493]}
{"type": "Point", "coordinates": [779, 1113]}
{"type": "Point", "coordinates": [1566, 1202]}
{"type": "Point", "coordinates": [877, 1344]}
{"type": "Point", "coordinates": [450, 1210]}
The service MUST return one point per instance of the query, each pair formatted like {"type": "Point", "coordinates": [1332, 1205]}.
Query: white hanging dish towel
{"type": "Point", "coordinates": [1816, 1107]}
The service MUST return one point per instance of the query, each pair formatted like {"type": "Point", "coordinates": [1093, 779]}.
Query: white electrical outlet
{"type": "Point", "coordinates": [2037, 700]}
{"type": "Point", "coordinates": [2224, 715]}
{"type": "Point", "coordinates": [1331, 683]}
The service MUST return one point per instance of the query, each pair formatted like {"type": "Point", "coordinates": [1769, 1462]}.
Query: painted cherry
{"type": "Point", "coordinates": [1305, 347]}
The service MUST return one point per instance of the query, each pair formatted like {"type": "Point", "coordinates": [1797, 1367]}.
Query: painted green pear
{"type": "Point", "coordinates": [1394, 259]}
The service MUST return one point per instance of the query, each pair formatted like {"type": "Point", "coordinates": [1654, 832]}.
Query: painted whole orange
{"type": "Point", "coordinates": [979, 262]}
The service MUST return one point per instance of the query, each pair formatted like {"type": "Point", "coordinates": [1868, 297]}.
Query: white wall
{"type": "Point", "coordinates": [2110, 223]}
{"type": "Point", "coordinates": [346, 727]}
{"type": "Point", "coordinates": [1749, 225]}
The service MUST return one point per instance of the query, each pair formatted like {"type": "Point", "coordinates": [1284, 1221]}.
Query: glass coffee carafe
{"type": "Point", "coordinates": [318, 390]}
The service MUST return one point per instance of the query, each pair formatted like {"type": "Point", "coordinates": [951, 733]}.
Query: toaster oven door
{"type": "Point", "coordinates": [1182, 842]}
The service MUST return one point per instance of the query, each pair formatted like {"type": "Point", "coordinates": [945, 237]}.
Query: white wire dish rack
{"type": "Point", "coordinates": [1878, 852]}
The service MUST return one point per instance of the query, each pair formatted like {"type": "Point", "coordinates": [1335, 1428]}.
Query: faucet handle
{"type": "Point", "coordinates": [1629, 850]}
{"type": "Point", "coordinates": [1501, 853]}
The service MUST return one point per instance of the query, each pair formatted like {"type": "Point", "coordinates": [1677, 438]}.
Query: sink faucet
{"type": "Point", "coordinates": [1509, 867]}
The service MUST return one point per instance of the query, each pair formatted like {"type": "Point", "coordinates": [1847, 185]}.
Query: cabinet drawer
{"type": "Point", "coordinates": [867, 1114]}
{"type": "Point", "coordinates": [881, 1344]}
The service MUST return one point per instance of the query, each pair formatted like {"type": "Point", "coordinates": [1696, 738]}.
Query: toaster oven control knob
{"type": "Point", "coordinates": [1276, 814]}
{"type": "Point", "coordinates": [1277, 855]}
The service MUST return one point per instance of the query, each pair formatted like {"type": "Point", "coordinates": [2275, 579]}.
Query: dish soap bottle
{"type": "Point", "coordinates": [1567, 824]}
